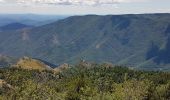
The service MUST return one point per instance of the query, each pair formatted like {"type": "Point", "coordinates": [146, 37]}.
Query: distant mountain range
{"type": "Point", "coordinates": [14, 27]}
{"type": "Point", "coordinates": [29, 19]}
{"type": "Point", "coordinates": [141, 41]}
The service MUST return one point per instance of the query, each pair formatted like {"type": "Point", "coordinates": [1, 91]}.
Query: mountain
{"type": "Point", "coordinates": [141, 40]}
{"type": "Point", "coordinates": [29, 63]}
{"type": "Point", "coordinates": [29, 19]}
{"type": "Point", "coordinates": [14, 26]}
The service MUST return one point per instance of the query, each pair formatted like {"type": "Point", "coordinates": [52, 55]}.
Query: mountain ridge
{"type": "Point", "coordinates": [119, 39]}
{"type": "Point", "coordinates": [14, 26]}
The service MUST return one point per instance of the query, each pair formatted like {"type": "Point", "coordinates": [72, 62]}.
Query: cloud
{"type": "Point", "coordinates": [1, 1]}
{"type": "Point", "coordinates": [70, 2]}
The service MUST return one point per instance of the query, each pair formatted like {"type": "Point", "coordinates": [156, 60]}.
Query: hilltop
{"type": "Point", "coordinates": [31, 64]}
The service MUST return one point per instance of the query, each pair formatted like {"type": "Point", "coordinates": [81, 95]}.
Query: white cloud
{"type": "Point", "coordinates": [1, 1]}
{"type": "Point", "coordinates": [70, 2]}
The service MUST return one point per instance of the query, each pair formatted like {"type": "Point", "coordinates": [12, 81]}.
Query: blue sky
{"type": "Point", "coordinates": [78, 7]}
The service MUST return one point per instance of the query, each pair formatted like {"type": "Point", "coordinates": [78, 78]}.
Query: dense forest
{"type": "Point", "coordinates": [84, 81]}
{"type": "Point", "coordinates": [139, 40]}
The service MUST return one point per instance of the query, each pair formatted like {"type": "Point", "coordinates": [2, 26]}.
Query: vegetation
{"type": "Point", "coordinates": [29, 63]}
{"type": "Point", "coordinates": [139, 40]}
{"type": "Point", "coordinates": [84, 81]}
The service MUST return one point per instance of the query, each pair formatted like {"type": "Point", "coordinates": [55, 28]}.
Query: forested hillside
{"type": "Point", "coordinates": [28, 19]}
{"type": "Point", "coordinates": [141, 40]}
{"type": "Point", "coordinates": [84, 81]}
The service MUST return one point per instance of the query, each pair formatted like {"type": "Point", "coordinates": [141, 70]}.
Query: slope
{"type": "Point", "coordinates": [14, 26]}
{"type": "Point", "coordinates": [29, 63]}
{"type": "Point", "coordinates": [120, 39]}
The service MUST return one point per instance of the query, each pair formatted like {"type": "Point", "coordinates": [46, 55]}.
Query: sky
{"type": "Point", "coordinates": [81, 7]}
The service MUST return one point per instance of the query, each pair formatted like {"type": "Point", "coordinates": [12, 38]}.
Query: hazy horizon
{"type": "Point", "coordinates": [83, 7]}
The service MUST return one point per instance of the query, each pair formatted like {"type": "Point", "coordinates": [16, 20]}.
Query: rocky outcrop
{"type": "Point", "coordinates": [61, 68]}
{"type": "Point", "coordinates": [5, 85]}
